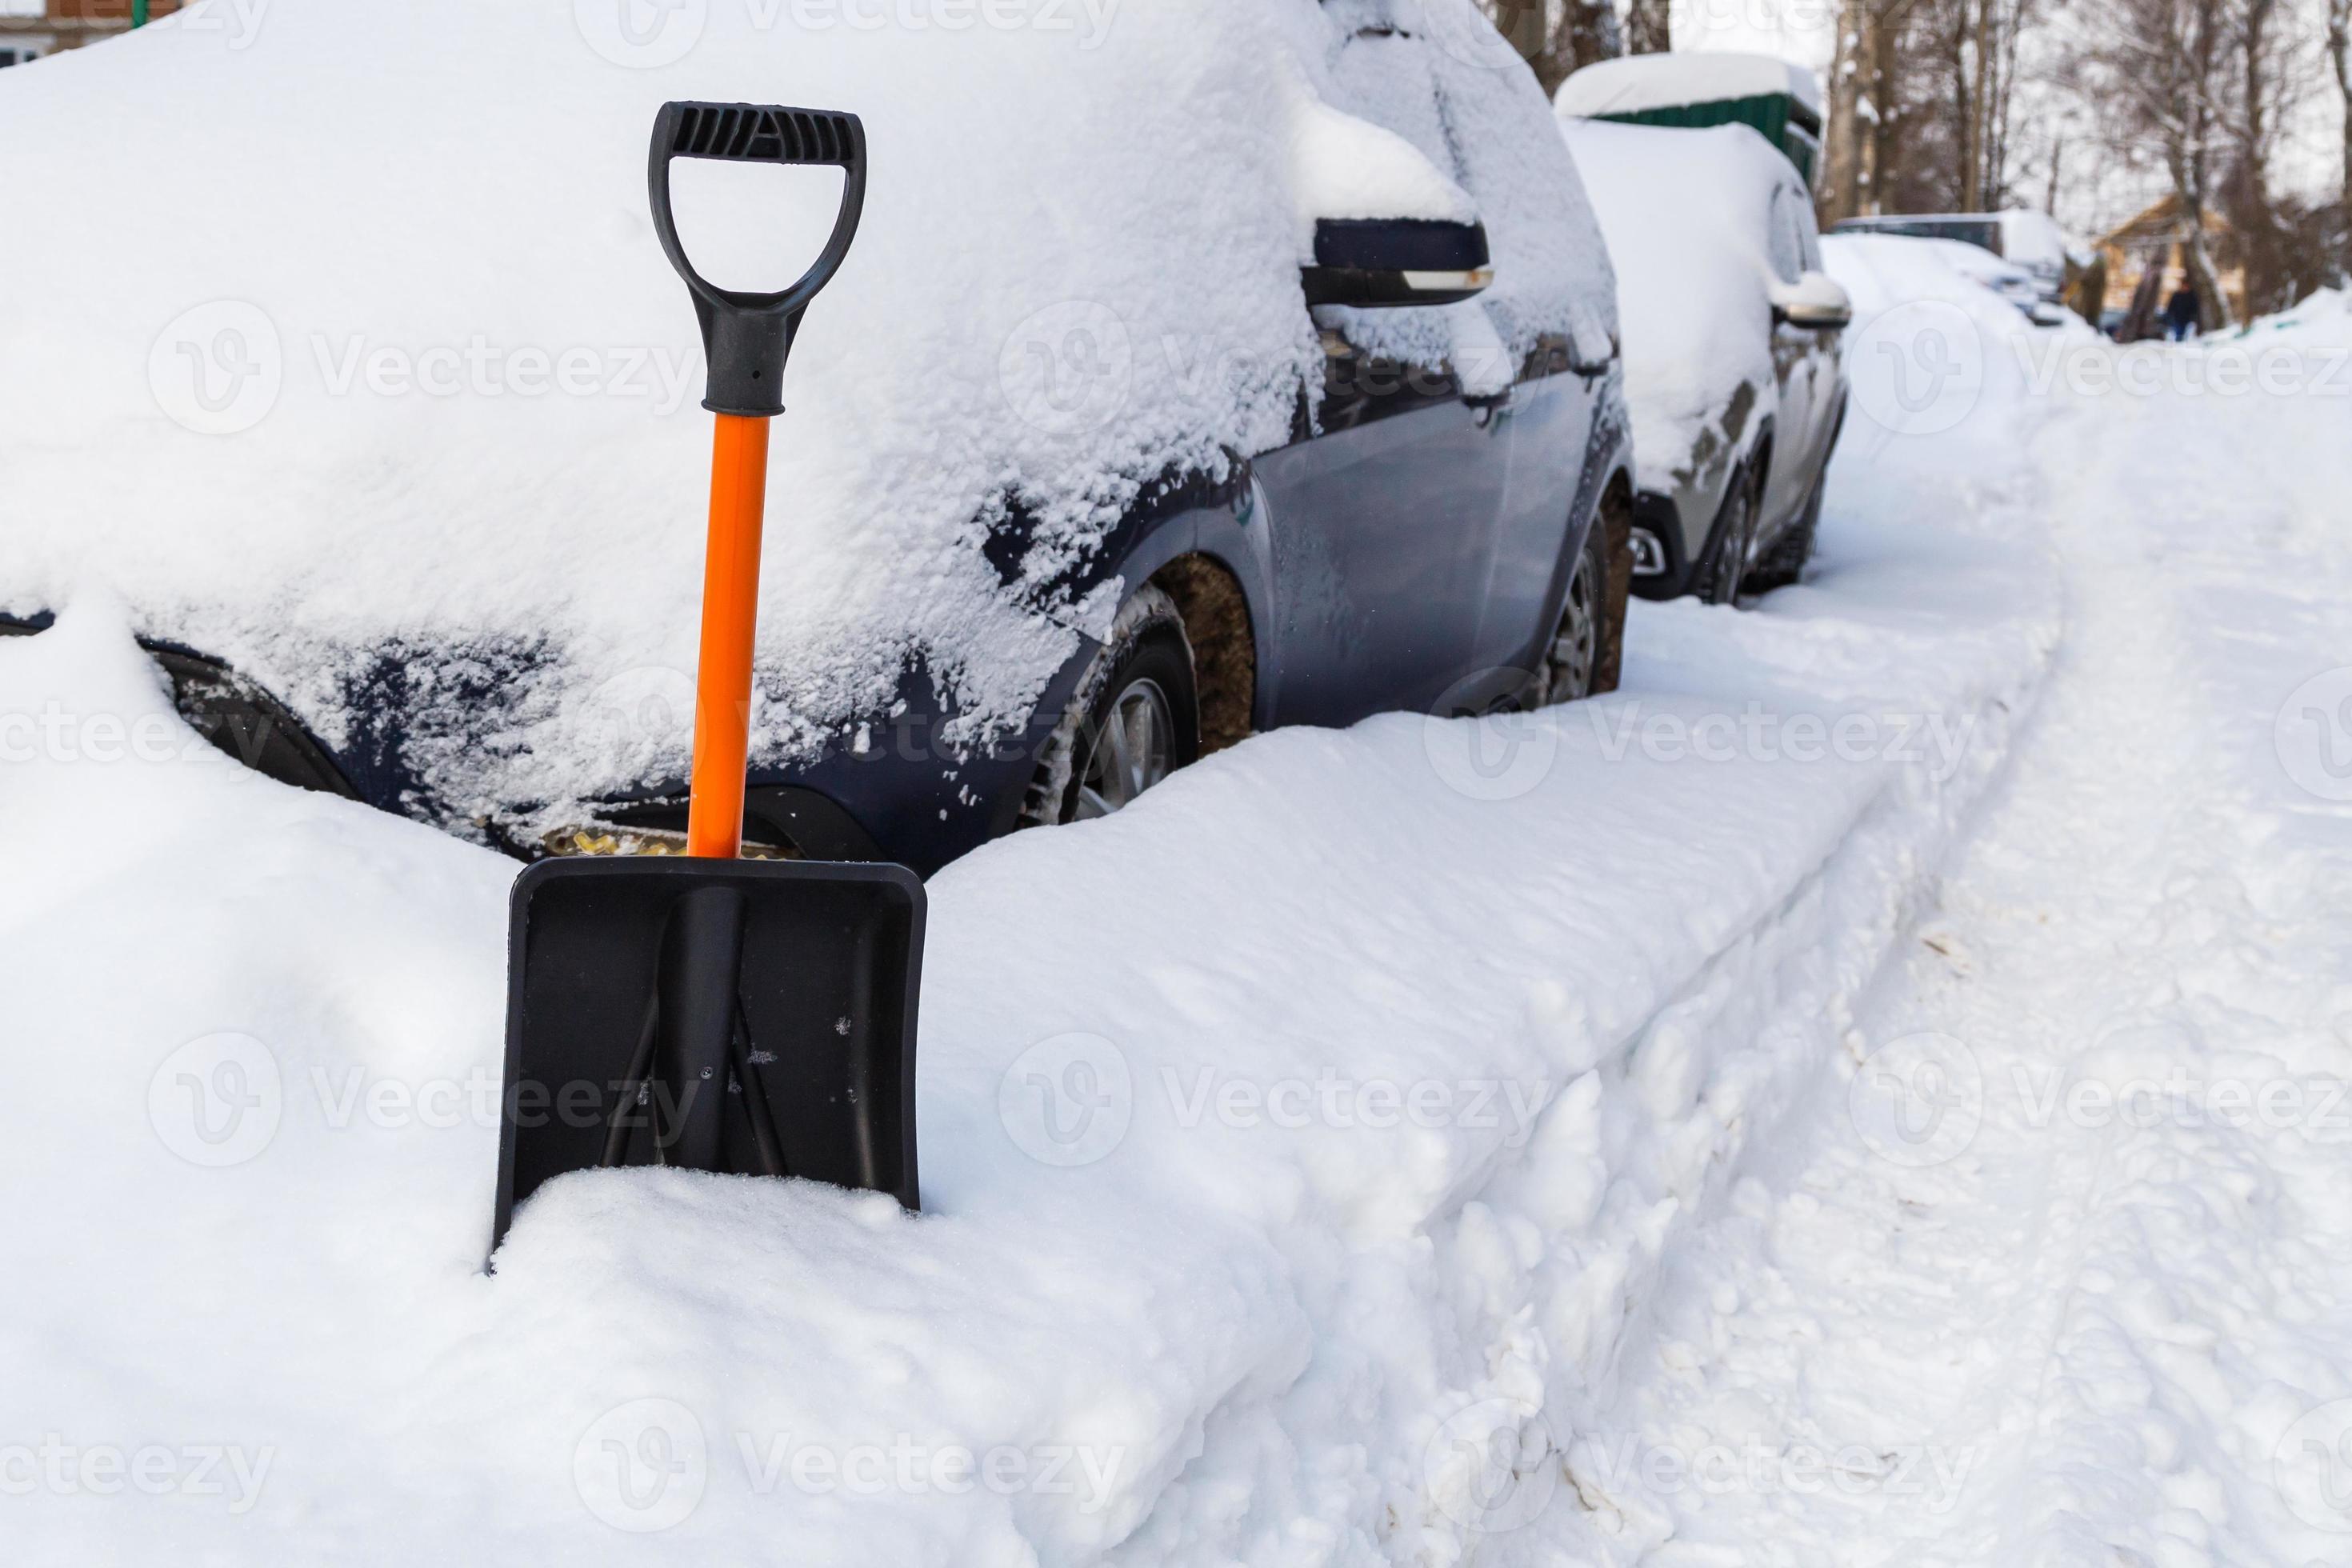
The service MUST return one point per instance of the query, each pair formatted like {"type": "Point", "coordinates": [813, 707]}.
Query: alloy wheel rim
{"type": "Point", "coordinates": [1577, 648]}
{"type": "Point", "coordinates": [1129, 752]}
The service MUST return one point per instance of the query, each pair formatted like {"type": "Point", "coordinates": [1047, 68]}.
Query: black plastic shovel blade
{"type": "Point", "coordinates": [753, 1017]}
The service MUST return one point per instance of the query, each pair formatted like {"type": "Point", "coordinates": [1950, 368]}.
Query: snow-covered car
{"type": "Point", "coordinates": [2023, 287]}
{"type": "Point", "coordinates": [1734, 351]}
{"type": "Point", "coordinates": [2030, 244]}
{"type": "Point", "coordinates": [365, 391]}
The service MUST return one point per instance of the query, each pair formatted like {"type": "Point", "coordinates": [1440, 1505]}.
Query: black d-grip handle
{"type": "Point", "coordinates": [747, 337]}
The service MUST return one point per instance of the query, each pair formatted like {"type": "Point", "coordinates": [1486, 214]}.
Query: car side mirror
{"type": "Point", "coordinates": [1376, 263]}
{"type": "Point", "coordinates": [1816, 302]}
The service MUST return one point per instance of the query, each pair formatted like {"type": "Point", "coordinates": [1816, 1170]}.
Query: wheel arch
{"type": "Point", "coordinates": [1215, 606]}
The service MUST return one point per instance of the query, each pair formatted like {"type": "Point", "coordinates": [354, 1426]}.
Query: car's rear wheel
{"type": "Point", "coordinates": [1134, 719]}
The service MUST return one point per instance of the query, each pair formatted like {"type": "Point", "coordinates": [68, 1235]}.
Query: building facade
{"type": "Point", "coordinates": [69, 24]}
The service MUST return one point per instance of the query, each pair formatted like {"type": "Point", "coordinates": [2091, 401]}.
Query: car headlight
{"type": "Point", "coordinates": [1649, 553]}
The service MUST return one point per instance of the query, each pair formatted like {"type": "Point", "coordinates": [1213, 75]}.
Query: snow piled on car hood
{"type": "Point", "coordinates": [337, 344]}
{"type": "Point", "coordinates": [1685, 213]}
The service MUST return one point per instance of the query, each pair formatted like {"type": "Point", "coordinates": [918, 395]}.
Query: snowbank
{"type": "Point", "coordinates": [2320, 323]}
{"type": "Point", "coordinates": [367, 376]}
{"type": "Point", "coordinates": [1299, 1145]}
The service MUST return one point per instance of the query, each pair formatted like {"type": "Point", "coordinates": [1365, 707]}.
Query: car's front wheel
{"type": "Point", "coordinates": [1743, 510]}
{"type": "Point", "coordinates": [1134, 719]}
{"type": "Point", "coordinates": [1785, 562]}
{"type": "Point", "coordinates": [1579, 646]}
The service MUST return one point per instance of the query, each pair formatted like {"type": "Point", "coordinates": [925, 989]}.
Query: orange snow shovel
{"type": "Point", "coordinates": [712, 1013]}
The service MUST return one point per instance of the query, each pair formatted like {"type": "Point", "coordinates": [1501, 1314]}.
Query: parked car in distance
{"type": "Point", "coordinates": [1249, 390]}
{"type": "Point", "coordinates": [2032, 242]}
{"type": "Point", "coordinates": [1734, 353]}
{"type": "Point", "coordinates": [2020, 287]}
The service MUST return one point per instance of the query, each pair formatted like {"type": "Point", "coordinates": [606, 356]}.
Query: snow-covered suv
{"type": "Point", "coordinates": [1734, 349]}
{"type": "Point", "coordinates": [344, 362]}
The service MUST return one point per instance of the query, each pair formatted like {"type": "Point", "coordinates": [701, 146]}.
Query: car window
{"type": "Point", "coordinates": [1494, 133]}
{"type": "Point", "coordinates": [1809, 230]}
{"type": "Point", "coordinates": [1788, 239]}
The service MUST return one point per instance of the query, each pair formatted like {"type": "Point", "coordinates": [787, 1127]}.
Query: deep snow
{"type": "Point", "coordinates": [1410, 1143]}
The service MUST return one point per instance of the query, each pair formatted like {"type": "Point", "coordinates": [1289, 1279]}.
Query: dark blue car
{"type": "Point", "coordinates": [1445, 530]}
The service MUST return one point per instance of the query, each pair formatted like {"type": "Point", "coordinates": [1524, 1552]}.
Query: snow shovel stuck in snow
{"type": "Point", "coordinates": [712, 1013]}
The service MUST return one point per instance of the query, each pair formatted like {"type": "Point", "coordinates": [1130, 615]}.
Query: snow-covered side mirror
{"type": "Point", "coordinates": [1813, 300]}
{"type": "Point", "coordinates": [1373, 263]}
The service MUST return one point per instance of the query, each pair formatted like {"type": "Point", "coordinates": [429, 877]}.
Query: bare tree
{"type": "Point", "coordinates": [1980, 66]}
{"type": "Point", "coordinates": [1923, 105]}
{"type": "Point", "coordinates": [2339, 55]}
{"type": "Point", "coordinates": [1649, 26]}
{"type": "Point", "coordinates": [1845, 178]}
{"type": "Point", "coordinates": [1558, 37]}
{"type": "Point", "coordinates": [1867, 106]}
{"type": "Point", "coordinates": [1590, 31]}
{"type": "Point", "coordinates": [2261, 106]}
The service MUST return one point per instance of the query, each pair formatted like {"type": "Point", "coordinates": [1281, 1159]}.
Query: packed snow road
{"type": "Point", "coordinates": [1643, 1132]}
{"type": "Point", "coordinates": [2063, 1273]}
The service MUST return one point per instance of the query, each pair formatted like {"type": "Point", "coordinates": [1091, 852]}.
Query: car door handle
{"type": "Point", "coordinates": [1595, 370]}
{"type": "Point", "coordinates": [1493, 405]}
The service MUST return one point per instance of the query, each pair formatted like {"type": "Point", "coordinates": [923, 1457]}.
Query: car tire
{"type": "Point", "coordinates": [1134, 719]}
{"type": "Point", "coordinates": [1727, 568]}
{"type": "Point", "coordinates": [1785, 562]}
{"type": "Point", "coordinates": [1580, 648]}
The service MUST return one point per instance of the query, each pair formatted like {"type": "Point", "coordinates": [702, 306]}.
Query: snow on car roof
{"type": "Point", "coordinates": [1637, 83]}
{"type": "Point", "coordinates": [337, 343]}
{"type": "Point", "coordinates": [1693, 271]}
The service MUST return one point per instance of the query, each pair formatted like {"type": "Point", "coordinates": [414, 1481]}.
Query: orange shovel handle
{"type": "Point", "coordinates": [730, 613]}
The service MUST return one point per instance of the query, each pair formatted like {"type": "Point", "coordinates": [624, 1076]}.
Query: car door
{"type": "Point", "coordinates": [1551, 266]}
{"type": "Point", "coordinates": [1546, 428]}
{"type": "Point", "coordinates": [1380, 515]}
{"type": "Point", "coordinates": [1385, 503]}
{"type": "Point", "coordinates": [1803, 361]}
